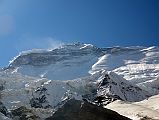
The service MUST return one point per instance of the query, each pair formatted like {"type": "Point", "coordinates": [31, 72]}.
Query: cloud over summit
{"type": "Point", "coordinates": [7, 25]}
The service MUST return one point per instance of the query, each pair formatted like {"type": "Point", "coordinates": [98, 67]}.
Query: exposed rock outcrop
{"type": "Point", "coordinates": [83, 110]}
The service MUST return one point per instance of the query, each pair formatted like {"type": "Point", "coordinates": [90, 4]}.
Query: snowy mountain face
{"type": "Point", "coordinates": [133, 63]}
{"type": "Point", "coordinates": [44, 80]}
{"type": "Point", "coordinates": [65, 63]}
{"type": "Point", "coordinates": [137, 64]}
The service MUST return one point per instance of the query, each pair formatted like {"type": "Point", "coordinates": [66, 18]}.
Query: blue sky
{"type": "Point", "coordinates": [28, 24]}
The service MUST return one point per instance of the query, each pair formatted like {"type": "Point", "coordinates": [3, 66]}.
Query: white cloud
{"type": "Point", "coordinates": [7, 25]}
{"type": "Point", "coordinates": [27, 43]}
{"type": "Point", "coordinates": [53, 43]}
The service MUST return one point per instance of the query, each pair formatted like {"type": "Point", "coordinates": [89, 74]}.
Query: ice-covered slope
{"type": "Point", "coordinates": [138, 64]}
{"type": "Point", "coordinates": [67, 62]}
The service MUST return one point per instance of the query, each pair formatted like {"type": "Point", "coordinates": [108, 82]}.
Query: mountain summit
{"type": "Point", "coordinates": [80, 60]}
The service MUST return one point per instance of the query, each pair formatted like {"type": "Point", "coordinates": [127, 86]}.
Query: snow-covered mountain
{"type": "Point", "coordinates": [78, 60]}
{"type": "Point", "coordinates": [47, 79]}
{"type": "Point", "coordinates": [64, 63]}
{"type": "Point", "coordinates": [136, 64]}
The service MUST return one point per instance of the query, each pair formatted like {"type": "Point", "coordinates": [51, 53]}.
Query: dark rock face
{"type": "Point", "coordinates": [106, 98]}
{"type": "Point", "coordinates": [40, 101]}
{"type": "Point", "coordinates": [4, 110]}
{"type": "Point", "coordinates": [112, 88]}
{"type": "Point", "coordinates": [78, 110]}
{"type": "Point", "coordinates": [23, 113]}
